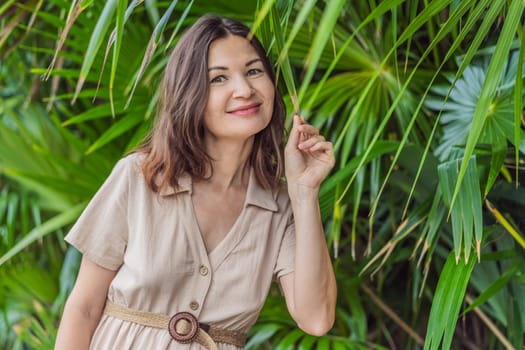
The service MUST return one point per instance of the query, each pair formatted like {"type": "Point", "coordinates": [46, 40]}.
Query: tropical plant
{"type": "Point", "coordinates": [422, 99]}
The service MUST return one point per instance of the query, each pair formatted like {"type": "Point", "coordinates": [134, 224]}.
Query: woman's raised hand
{"type": "Point", "coordinates": [308, 157]}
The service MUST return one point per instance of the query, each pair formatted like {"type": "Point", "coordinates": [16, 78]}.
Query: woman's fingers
{"type": "Point", "coordinates": [311, 141]}
{"type": "Point", "coordinates": [308, 129]}
{"type": "Point", "coordinates": [294, 138]}
{"type": "Point", "coordinates": [308, 133]}
{"type": "Point", "coordinates": [307, 137]}
{"type": "Point", "coordinates": [324, 146]}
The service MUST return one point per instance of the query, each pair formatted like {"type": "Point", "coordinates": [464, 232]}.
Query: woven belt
{"type": "Point", "coordinates": [183, 326]}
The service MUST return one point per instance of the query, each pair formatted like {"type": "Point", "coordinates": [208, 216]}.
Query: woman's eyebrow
{"type": "Point", "coordinates": [217, 68]}
{"type": "Point", "coordinates": [249, 63]}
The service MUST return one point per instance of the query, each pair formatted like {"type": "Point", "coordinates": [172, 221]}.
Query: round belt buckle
{"type": "Point", "coordinates": [183, 338]}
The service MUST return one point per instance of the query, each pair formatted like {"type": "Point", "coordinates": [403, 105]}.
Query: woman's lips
{"type": "Point", "coordinates": [246, 109]}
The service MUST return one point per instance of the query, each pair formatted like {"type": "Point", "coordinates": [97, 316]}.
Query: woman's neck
{"type": "Point", "coordinates": [230, 163]}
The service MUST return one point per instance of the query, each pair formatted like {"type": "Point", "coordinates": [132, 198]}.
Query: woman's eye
{"type": "Point", "coordinates": [255, 71]}
{"type": "Point", "coordinates": [218, 79]}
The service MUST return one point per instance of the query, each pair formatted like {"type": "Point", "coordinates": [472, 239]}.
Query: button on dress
{"type": "Point", "coordinates": [153, 242]}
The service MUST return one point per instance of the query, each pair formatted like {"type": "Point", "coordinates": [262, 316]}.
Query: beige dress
{"type": "Point", "coordinates": [154, 243]}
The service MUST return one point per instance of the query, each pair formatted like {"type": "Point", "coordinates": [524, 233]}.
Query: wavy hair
{"type": "Point", "coordinates": [176, 144]}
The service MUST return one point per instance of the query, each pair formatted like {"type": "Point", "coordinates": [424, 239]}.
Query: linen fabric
{"type": "Point", "coordinates": [153, 242]}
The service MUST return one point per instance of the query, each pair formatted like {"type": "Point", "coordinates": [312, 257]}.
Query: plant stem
{"type": "Point", "coordinates": [390, 313]}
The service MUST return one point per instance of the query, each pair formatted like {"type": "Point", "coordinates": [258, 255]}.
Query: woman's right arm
{"type": "Point", "coordinates": [84, 306]}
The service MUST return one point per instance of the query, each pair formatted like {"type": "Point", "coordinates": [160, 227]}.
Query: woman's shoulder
{"type": "Point", "coordinates": [131, 161]}
{"type": "Point", "coordinates": [129, 165]}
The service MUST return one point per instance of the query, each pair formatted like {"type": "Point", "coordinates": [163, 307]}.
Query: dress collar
{"type": "Point", "coordinates": [255, 193]}
{"type": "Point", "coordinates": [185, 185]}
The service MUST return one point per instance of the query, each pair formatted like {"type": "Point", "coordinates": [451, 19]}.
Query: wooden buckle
{"type": "Point", "coordinates": [183, 338]}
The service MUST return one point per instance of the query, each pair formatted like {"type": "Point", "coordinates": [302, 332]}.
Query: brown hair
{"type": "Point", "coordinates": [176, 143]}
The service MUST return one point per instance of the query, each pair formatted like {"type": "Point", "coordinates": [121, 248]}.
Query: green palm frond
{"type": "Point", "coordinates": [448, 298]}
{"type": "Point", "coordinates": [458, 109]}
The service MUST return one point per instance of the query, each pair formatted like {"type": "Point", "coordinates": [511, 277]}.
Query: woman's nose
{"type": "Point", "coordinates": [242, 88]}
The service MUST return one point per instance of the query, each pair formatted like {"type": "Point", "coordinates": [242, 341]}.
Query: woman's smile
{"type": "Point", "coordinates": [246, 110]}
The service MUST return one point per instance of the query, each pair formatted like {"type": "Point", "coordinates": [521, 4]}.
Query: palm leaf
{"type": "Point", "coordinates": [495, 287]}
{"type": "Point", "coordinates": [428, 12]}
{"type": "Point", "coordinates": [99, 33]}
{"type": "Point", "coordinates": [518, 99]}
{"type": "Point", "coordinates": [447, 301]}
{"type": "Point", "coordinates": [59, 221]}
{"type": "Point", "coordinates": [489, 87]}
{"type": "Point", "coordinates": [327, 23]}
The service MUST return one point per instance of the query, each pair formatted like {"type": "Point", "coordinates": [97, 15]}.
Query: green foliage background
{"type": "Point", "coordinates": [424, 211]}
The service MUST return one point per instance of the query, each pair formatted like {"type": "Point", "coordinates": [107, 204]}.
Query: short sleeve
{"type": "Point", "coordinates": [285, 263]}
{"type": "Point", "coordinates": [101, 231]}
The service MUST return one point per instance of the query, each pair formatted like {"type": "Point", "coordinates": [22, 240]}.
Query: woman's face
{"type": "Point", "coordinates": [241, 93]}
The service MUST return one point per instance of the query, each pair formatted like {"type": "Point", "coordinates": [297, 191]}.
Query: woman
{"type": "Point", "coordinates": [181, 243]}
